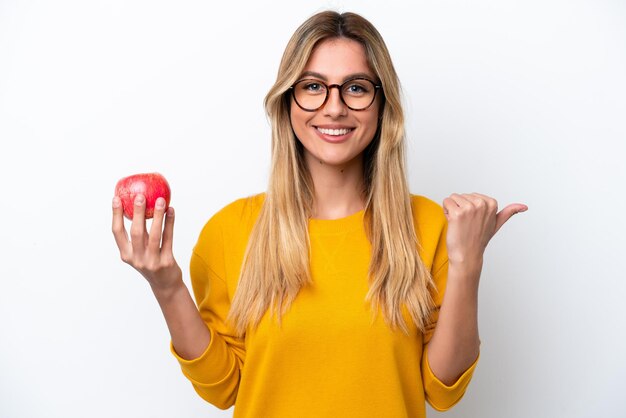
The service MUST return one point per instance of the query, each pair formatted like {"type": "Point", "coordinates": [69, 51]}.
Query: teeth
{"type": "Point", "coordinates": [335, 132]}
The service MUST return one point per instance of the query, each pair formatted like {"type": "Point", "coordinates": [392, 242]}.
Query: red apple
{"type": "Point", "coordinates": [151, 185]}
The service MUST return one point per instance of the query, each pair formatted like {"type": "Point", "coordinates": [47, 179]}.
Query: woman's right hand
{"type": "Point", "coordinates": [150, 254]}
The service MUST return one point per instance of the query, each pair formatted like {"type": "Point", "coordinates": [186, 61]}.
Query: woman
{"type": "Point", "coordinates": [324, 296]}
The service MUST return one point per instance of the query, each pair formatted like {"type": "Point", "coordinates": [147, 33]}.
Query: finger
{"type": "Point", "coordinates": [168, 231]}
{"type": "Point", "coordinates": [138, 227]}
{"type": "Point", "coordinates": [464, 206]}
{"type": "Point", "coordinates": [475, 199]}
{"type": "Point", "coordinates": [154, 239]}
{"type": "Point", "coordinates": [491, 202]}
{"type": "Point", "coordinates": [506, 213]}
{"type": "Point", "coordinates": [119, 231]}
{"type": "Point", "coordinates": [460, 200]}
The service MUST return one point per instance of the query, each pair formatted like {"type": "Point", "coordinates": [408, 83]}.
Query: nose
{"type": "Point", "coordinates": [334, 105]}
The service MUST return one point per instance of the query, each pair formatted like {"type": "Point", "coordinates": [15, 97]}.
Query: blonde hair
{"type": "Point", "coordinates": [276, 261]}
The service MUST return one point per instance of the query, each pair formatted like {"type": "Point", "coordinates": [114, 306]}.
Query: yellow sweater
{"type": "Point", "coordinates": [328, 360]}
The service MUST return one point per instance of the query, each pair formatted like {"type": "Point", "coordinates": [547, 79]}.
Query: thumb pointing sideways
{"type": "Point", "coordinates": [506, 213]}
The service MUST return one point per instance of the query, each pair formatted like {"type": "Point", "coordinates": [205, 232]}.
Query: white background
{"type": "Point", "coordinates": [521, 100]}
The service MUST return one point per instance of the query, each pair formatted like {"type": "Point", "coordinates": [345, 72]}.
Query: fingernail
{"type": "Point", "coordinates": [116, 202]}
{"type": "Point", "coordinates": [160, 203]}
{"type": "Point", "coordinates": [170, 212]}
{"type": "Point", "coordinates": [139, 200]}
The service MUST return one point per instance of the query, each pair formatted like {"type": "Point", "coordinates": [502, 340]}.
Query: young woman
{"type": "Point", "coordinates": [336, 293]}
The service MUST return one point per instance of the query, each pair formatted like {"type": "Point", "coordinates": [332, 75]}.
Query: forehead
{"type": "Point", "coordinates": [337, 58]}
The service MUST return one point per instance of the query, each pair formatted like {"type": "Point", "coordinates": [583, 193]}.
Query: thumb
{"type": "Point", "coordinates": [506, 213]}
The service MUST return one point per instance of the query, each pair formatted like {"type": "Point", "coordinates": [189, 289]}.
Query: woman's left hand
{"type": "Point", "coordinates": [473, 219]}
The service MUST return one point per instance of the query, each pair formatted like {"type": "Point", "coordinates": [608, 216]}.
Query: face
{"type": "Point", "coordinates": [334, 134]}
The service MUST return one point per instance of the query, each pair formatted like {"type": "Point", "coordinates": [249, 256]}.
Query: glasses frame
{"type": "Point", "coordinates": [339, 88]}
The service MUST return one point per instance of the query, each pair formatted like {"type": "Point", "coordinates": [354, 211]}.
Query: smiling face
{"type": "Point", "coordinates": [334, 134]}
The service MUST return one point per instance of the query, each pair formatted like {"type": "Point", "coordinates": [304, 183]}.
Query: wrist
{"type": "Point", "coordinates": [465, 263]}
{"type": "Point", "coordinates": [465, 272]}
{"type": "Point", "coordinates": [169, 291]}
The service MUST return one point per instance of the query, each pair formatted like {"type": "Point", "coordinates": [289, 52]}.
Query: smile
{"type": "Point", "coordinates": [334, 132]}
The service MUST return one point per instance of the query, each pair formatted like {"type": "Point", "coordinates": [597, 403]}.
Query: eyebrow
{"type": "Point", "coordinates": [346, 78]}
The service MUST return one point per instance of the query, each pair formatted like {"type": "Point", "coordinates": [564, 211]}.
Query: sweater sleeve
{"type": "Point", "coordinates": [215, 374]}
{"type": "Point", "coordinates": [440, 396]}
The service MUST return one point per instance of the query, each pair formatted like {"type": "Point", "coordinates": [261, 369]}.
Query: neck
{"type": "Point", "coordinates": [338, 188]}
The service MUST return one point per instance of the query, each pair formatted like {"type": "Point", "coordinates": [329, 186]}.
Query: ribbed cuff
{"type": "Point", "coordinates": [440, 396]}
{"type": "Point", "coordinates": [212, 366]}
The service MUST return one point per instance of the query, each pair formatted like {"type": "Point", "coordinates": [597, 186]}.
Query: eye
{"type": "Point", "coordinates": [356, 88]}
{"type": "Point", "coordinates": [312, 86]}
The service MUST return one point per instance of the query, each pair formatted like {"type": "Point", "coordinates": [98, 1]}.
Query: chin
{"type": "Point", "coordinates": [334, 159]}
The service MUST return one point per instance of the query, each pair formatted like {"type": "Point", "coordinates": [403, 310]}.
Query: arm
{"type": "Point", "coordinates": [214, 373]}
{"type": "Point", "coordinates": [454, 346]}
{"type": "Point", "coordinates": [452, 350]}
{"type": "Point", "coordinates": [190, 335]}
{"type": "Point", "coordinates": [151, 255]}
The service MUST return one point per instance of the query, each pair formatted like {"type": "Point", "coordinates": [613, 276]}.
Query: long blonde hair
{"type": "Point", "coordinates": [276, 261]}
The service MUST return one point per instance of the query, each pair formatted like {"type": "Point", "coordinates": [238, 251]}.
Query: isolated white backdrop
{"type": "Point", "coordinates": [521, 100]}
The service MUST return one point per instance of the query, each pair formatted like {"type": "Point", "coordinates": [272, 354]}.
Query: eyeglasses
{"type": "Point", "coordinates": [357, 93]}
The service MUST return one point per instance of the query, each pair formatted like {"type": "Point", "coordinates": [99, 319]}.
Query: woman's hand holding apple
{"type": "Point", "coordinates": [150, 254]}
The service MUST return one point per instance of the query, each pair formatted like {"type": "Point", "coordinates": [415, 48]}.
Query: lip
{"type": "Point", "coordinates": [333, 126]}
{"type": "Point", "coordinates": [333, 139]}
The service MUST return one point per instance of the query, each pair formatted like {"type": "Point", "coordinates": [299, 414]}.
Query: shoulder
{"type": "Point", "coordinates": [430, 226]}
{"type": "Point", "coordinates": [240, 210]}
{"type": "Point", "coordinates": [426, 211]}
{"type": "Point", "coordinates": [238, 215]}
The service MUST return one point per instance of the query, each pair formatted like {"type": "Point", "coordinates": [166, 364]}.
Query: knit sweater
{"type": "Point", "coordinates": [328, 359]}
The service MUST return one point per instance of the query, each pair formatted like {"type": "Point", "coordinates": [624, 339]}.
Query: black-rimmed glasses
{"type": "Point", "coordinates": [357, 93]}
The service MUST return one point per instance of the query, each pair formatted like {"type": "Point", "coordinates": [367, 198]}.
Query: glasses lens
{"type": "Point", "coordinates": [358, 94]}
{"type": "Point", "coordinates": [310, 94]}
